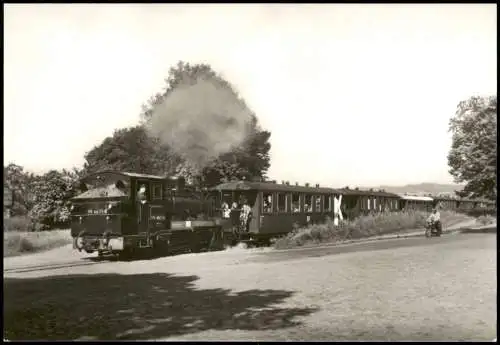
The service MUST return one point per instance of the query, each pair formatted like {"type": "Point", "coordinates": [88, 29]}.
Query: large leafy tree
{"type": "Point", "coordinates": [473, 155]}
{"type": "Point", "coordinates": [51, 197]}
{"type": "Point", "coordinates": [43, 198]}
{"type": "Point", "coordinates": [249, 160]}
{"type": "Point", "coordinates": [131, 149]}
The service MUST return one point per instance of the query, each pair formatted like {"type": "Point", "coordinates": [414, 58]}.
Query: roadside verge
{"type": "Point", "coordinates": [463, 227]}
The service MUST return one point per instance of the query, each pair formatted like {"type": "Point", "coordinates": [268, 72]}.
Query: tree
{"type": "Point", "coordinates": [248, 162]}
{"type": "Point", "coordinates": [249, 159]}
{"type": "Point", "coordinates": [473, 154]}
{"type": "Point", "coordinates": [19, 182]}
{"type": "Point", "coordinates": [52, 193]}
{"type": "Point", "coordinates": [131, 149]}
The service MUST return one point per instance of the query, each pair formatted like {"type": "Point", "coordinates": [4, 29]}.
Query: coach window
{"type": "Point", "coordinates": [374, 203]}
{"type": "Point", "coordinates": [308, 207]}
{"type": "Point", "coordinates": [327, 203]}
{"type": "Point", "coordinates": [282, 202]}
{"type": "Point", "coordinates": [296, 202]}
{"type": "Point", "coordinates": [317, 203]}
{"type": "Point", "coordinates": [157, 191]}
{"type": "Point", "coordinates": [267, 202]}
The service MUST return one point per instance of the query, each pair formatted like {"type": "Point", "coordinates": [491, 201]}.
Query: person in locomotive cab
{"type": "Point", "coordinates": [142, 194]}
{"type": "Point", "coordinates": [245, 215]}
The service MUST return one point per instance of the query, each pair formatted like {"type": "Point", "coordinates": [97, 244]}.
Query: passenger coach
{"type": "Point", "coordinates": [357, 202]}
{"type": "Point", "coordinates": [278, 208]}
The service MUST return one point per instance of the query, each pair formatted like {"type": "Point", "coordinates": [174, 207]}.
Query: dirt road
{"type": "Point", "coordinates": [407, 289]}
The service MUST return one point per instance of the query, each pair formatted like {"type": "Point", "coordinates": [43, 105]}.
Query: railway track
{"type": "Point", "coordinates": [50, 266]}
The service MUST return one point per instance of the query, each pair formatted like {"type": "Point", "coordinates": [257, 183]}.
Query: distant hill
{"type": "Point", "coordinates": [422, 188]}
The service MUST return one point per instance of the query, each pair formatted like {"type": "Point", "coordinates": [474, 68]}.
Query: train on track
{"type": "Point", "coordinates": [122, 212]}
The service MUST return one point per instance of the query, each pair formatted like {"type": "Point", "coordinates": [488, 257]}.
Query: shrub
{"type": "Point", "coordinates": [18, 223]}
{"type": "Point", "coordinates": [364, 226]}
{"type": "Point", "coordinates": [17, 242]}
{"type": "Point", "coordinates": [486, 220]}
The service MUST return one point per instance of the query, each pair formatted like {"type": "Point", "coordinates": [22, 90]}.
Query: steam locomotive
{"type": "Point", "coordinates": [122, 212]}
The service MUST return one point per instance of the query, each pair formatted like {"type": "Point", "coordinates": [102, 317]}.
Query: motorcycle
{"type": "Point", "coordinates": [433, 229]}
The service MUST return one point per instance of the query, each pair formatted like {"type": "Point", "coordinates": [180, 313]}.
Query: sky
{"type": "Point", "coordinates": [357, 95]}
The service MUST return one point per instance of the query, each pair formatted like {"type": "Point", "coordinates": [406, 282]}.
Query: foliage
{"type": "Point", "coordinates": [19, 183]}
{"type": "Point", "coordinates": [18, 223]}
{"type": "Point", "coordinates": [248, 162]}
{"type": "Point", "coordinates": [131, 149]}
{"type": "Point", "coordinates": [486, 220]}
{"type": "Point", "coordinates": [52, 192]}
{"type": "Point", "coordinates": [473, 154]}
{"type": "Point", "coordinates": [364, 226]}
{"type": "Point", "coordinates": [16, 243]}
{"type": "Point", "coordinates": [40, 201]}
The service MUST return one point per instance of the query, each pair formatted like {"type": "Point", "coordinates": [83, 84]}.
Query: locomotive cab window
{"type": "Point", "coordinates": [267, 202]}
{"type": "Point", "coordinates": [296, 207]}
{"type": "Point", "coordinates": [282, 202]}
{"type": "Point", "coordinates": [308, 207]}
{"type": "Point", "coordinates": [157, 191]}
{"type": "Point", "coordinates": [317, 203]}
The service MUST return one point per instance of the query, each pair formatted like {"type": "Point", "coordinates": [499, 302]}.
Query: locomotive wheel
{"type": "Point", "coordinates": [194, 243]}
{"type": "Point", "coordinates": [160, 246]}
{"type": "Point", "coordinates": [125, 254]}
{"type": "Point", "coordinates": [195, 247]}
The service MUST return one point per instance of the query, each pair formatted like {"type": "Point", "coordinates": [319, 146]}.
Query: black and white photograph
{"type": "Point", "coordinates": [250, 172]}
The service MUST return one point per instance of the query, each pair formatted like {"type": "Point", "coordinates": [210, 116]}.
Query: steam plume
{"type": "Point", "coordinates": [201, 121]}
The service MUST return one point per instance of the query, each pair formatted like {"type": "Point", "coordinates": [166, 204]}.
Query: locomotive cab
{"type": "Point", "coordinates": [101, 214]}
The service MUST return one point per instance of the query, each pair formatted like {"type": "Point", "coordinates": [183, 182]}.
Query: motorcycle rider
{"type": "Point", "coordinates": [435, 220]}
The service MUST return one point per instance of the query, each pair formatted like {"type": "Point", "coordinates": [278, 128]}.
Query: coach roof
{"type": "Point", "coordinates": [271, 186]}
{"type": "Point", "coordinates": [367, 193]}
{"type": "Point", "coordinates": [126, 174]}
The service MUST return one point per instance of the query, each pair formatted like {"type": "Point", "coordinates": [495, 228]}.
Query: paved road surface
{"type": "Point", "coordinates": [407, 289]}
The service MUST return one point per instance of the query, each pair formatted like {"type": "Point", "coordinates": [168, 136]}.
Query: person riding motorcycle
{"type": "Point", "coordinates": [434, 220]}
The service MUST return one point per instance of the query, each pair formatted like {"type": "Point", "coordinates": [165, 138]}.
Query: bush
{"type": "Point", "coordinates": [364, 226]}
{"type": "Point", "coordinates": [18, 223]}
{"type": "Point", "coordinates": [486, 220]}
{"type": "Point", "coordinates": [17, 242]}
